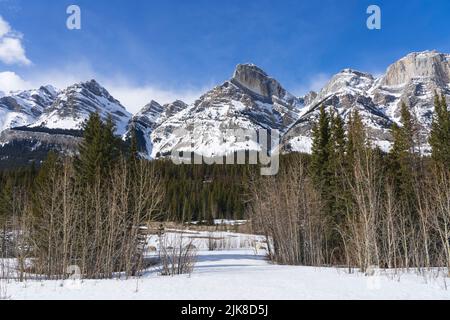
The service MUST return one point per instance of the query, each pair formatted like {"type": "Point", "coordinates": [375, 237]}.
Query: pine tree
{"type": "Point", "coordinates": [112, 144]}
{"type": "Point", "coordinates": [327, 163]}
{"type": "Point", "coordinates": [99, 150]}
{"type": "Point", "coordinates": [321, 148]}
{"type": "Point", "coordinates": [356, 138]}
{"type": "Point", "coordinates": [336, 167]}
{"type": "Point", "coordinates": [405, 134]}
{"type": "Point", "coordinates": [337, 140]}
{"type": "Point", "coordinates": [134, 152]}
{"type": "Point", "coordinates": [403, 158]}
{"type": "Point", "coordinates": [6, 200]}
{"type": "Point", "coordinates": [440, 132]}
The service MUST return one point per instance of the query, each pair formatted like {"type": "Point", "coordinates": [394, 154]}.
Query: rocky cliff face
{"type": "Point", "coordinates": [24, 107]}
{"type": "Point", "coordinates": [251, 99]}
{"type": "Point", "coordinates": [346, 92]}
{"type": "Point", "coordinates": [73, 106]}
{"type": "Point", "coordinates": [37, 121]}
{"type": "Point", "coordinates": [151, 117]}
{"type": "Point", "coordinates": [256, 80]}
{"type": "Point", "coordinates": [413, 80]}
{"type": "Point", "coordinates": [430, 65]}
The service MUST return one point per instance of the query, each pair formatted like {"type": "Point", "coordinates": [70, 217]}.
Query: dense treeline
{"type": "Point", "coordinates": [203, 192]}
{"type": "Point", "coordinates": [191, 192]}
{"type": "Point", "coordinates": [348, 203]}
{"type": "Point", "coordinates": [90, 211]}
{"type": "Point", "coordinates": [354, 205]}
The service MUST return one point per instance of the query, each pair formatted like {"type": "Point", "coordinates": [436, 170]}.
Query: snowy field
{"type": "Point", "coordinates": [239, 270]}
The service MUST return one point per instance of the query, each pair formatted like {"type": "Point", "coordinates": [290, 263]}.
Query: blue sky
{"type": "Point", "coordinates": [143, 49]}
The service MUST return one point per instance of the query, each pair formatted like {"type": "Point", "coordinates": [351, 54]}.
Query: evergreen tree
{"type": "Point", "coordinates": [405, 134]}
{"type": "Point", "coordinates": [403, 159]}
{"type": "Point", "coordinates": [134, 152]}
{"type": "Point", "coordinates": [321, 149]}
{"type": "Point", "coordinates": [337, 141]}
{"type": "Point", "coordinates": [6, 200]}
{"type": "Point", "coordinates": [327, 164]}
{"type": "Point", "coordinates": [440, 132]}
{"type": "Point", "coordinates": [403, 149]}
{"type": "Point", "coordinates": [99, 149]}
{"type": "Point", "coordinates": [336, 168]}
{"type": "Point", "coordinates": [356, 138]}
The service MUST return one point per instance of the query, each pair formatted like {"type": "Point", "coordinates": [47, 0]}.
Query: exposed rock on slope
{"type": "Point", "coordinates": [74, 105]}
{"type": "Point", "coordinates": [413, 80]}
{"type": "Point", "coordinates": [250, 100]}
{"type": "Point", "coordinates": [24, 107]}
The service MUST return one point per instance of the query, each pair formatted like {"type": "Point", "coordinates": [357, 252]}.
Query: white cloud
{"type": "Point", "coordinates": [12, 50]}
{"type": "Point", "coordinates": [315, 83]}
{"type": "Point", "coordinates": [135, 97]}
{"type": "Point", "coordinates": [4, 27]}
{"type": "Point", "coordinates": [10, 81]}
{"type": "Point", "coordinates": [132, 96]}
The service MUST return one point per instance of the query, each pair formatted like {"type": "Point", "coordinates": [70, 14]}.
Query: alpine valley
{"type": "Point", "coordinates": [36, 121]}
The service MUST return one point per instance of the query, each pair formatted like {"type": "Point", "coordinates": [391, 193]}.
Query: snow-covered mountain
{"type": "Point", "coordinates": [25, 107]}
{"type": "Point", "coordinates": [37, 121]}
{"type": "Point", "coordinates": [347, 91]}
{"type": "Point", "coordinates": [250, 100]}
{"type": "Point", "coordinates": [413, 80]}
{"type": "Point", "coordinates": [73, 106]}
{"type": "Point", "coordinates": [151, 117]}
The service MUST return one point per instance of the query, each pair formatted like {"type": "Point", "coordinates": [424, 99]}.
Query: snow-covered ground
{"type": "Point", "coordinates": [241, 272]}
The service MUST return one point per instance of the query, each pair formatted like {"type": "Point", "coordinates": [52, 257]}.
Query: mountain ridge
{"type": "Point", "coordinates": [249, 100]}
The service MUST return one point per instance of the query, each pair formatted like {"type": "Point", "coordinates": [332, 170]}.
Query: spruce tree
{"type": "Point", "coordinates": [99, 149]}
{"type": "Point", "coordinates": [403, 158]}
{"type": "Point", "coordinates": [327, 153]}
{"type": "Point", "coordinates": [440, 132]}
{"type": "Point", "coordinates": [321, 148]}
{"type": "Point", "coordinates": [337, 140]}
{"type": "Point", "coordinates": [405, 134]}
{"type": "Point", "coordinates": [133, 152]}
{"type": "Point", "coordinates": [6, 200]}
{"type": "Point", "coordinates": [336, 167]}
{"type": "Point", "coordinates": [356, 138]}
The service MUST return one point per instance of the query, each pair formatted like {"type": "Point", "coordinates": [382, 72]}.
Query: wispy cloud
{"type": "Point", "coordinates": [314, 83]}
{"type": "Point", "coordinates": [10, 81]}
{"type": "Point", "coordinates": [12, 50]}
{"type": "Point", "coordinates": [133, 96]}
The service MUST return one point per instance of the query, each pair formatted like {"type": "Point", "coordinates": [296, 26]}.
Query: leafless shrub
{"type": "Point", "coordinates": [5, 276]}
{"type": "Point", "coordinates": [97, 227]}
{"type": "Point", "coordinates": [363, 216]}
{"type": "Point", "coordinates": [212, 242]}
{"type": "Point", "coordinates": [286, 210]}
{"type": "Point", "coordinates": [178, 255]}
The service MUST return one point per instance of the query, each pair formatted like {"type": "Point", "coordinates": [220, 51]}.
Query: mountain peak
{"type": "Point", "coordinates": [95, 87]}
{"type": "Point", "coordinates": [248, 68]}
{"type": "Point", "coordinates": [49, 89]}
{"type": "Point", "coordinates": [348, 80]}
{"type": "Point", "coordinates": [257, 81]}
{"type": "Point", "coordinates": [426, 64]}
{"type": "Point", "coordinates": [353, 72]}
{"type": "Point", "coordinates": [150, 107]}
{"type": "Point", "coordinates": [74, 105]}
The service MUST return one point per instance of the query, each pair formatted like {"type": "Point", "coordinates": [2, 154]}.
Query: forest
{"type": "Point", "coordinates": [346, 204]}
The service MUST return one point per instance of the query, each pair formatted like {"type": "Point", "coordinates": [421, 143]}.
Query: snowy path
{"type": "Point", "coordinates": [240, 274]}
